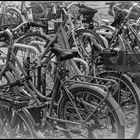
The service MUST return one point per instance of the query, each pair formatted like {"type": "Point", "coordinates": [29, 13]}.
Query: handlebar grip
{"type": "Point", "coordinates": [34, 24]}
{"type": "Point", "coordinates": [2, 34]}
{"type": "Point", "coordinates": [14, 84]}
{"type": "Point", "coordinates": [86, 7]}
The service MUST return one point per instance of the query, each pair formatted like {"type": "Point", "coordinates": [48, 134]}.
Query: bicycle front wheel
{"type": "Point", "coordinates": [105, 122]}
{"type": "Point", "coordinates": [17, 124]}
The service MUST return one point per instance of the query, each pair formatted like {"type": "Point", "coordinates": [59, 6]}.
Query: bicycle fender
{"type": "Point", "coordinates": [127, 78]}
{"type": "Point", "coordinates": [104, 40]}
{"type": "Point", "coordinates": [104, 94]}
{"type": "Point", "coordinates": [133, 83]}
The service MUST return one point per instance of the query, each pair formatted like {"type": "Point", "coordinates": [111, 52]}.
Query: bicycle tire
{"type": "Point", "coordinates": [24, 114]}
{"type": "Point", "coordinates": [79, 32]}
{"type": "Point", "coordinates": [3, 102]}
{"type": "Point", "coordinates": [21, 117]}
{"type": "Point", "coordinates": [135, 93]}
{"type": "Point", "coordinates": [22, 38]}
{"type": "Point", "coordinates": [117, 113]}
{"type": "Point", "coordinates": [87, 44]}
{"type": "Point", "coordinates": [25, 39]}
{"type": "Point", "coordinates": [108, 37]}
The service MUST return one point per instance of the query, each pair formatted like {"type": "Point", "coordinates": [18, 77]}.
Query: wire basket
{"type": "Point", "coordinates": [122, 61]}
{"type": "Point", "coordinates": [37, 11]}
{"type": "Point", "coordinates": [10, 19]}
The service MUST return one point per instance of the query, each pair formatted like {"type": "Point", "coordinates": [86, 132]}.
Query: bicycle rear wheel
{"type": "Point", "coordinates": [107, 123]}
{"type": "Point", "coordinates": [128, 98]}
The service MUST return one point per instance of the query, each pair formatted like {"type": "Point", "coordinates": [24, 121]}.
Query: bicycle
{"type": "Point", "coordinates": [133, 92]}
{"type": "Point", "coordinates": [127, 71]}
{"type": "Point", "coordinates": [71, 96]}
{"type": "Point", "coordinates": [73, 36]}
{"type": "Point", "coordinates": [63, 42]}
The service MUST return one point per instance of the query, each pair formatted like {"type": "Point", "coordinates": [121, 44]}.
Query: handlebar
{"type": "Point", "coordinates": [10, 32]}
{"type": "Point", "coordinates": [34, 24]}
{"type": "Point", "coordinates": [29, 24]}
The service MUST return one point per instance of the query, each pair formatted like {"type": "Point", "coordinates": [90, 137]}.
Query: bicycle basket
{"type": "Point", "coordinates": [123, 61]}
{"type": "Point", "coordinates": [10, 18]}
{"type": "Point", "coordinates": [37, 11]}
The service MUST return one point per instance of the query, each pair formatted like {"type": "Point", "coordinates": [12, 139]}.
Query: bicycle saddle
{"type": "Point", "coordinates": [85, 10]}
{"type": "Point", "coordinates": [63, 54]}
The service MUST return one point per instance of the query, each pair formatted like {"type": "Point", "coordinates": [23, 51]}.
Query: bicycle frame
{"type": "Point", "coordinates": [29, 85]}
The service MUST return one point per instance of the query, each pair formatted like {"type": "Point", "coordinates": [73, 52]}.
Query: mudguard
{"type": "Point", "coordinates": [104, 94]}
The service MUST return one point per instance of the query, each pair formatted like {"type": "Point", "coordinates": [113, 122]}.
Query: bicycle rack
{"type": "Point", "coordinates": [86, 80]}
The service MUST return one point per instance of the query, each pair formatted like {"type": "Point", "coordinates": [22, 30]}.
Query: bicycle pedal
{"type": "Point", "coordinates": [76, 131]}
{"type": "Point", "coordinates": [72, 131]}
{"type": "Point", "coordinates": [61, 128]}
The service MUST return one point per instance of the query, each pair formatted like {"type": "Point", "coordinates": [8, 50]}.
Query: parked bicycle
{"type": "Point", "coordinates": [75, 98]}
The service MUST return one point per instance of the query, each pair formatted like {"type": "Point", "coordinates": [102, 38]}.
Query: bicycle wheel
{"type": "Point", "coordinates": [86, 41]}
{"type": "Point", "coordinates": [15, 120]}
{"type": "Point", "coordinates": [11, 119]}
{"type": "Point", "coordinates": [22, 53]}
{"type": "Point", "coordinates": [128, 98]}
{"type": "Point", "coordinates": [27, 38]}
{"type": "Point", "coordinates": [106, 123]}
{"type": "Point", "coordinates": [34, 36]}
{"type": "Point", "coordinates": [107, 32]}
